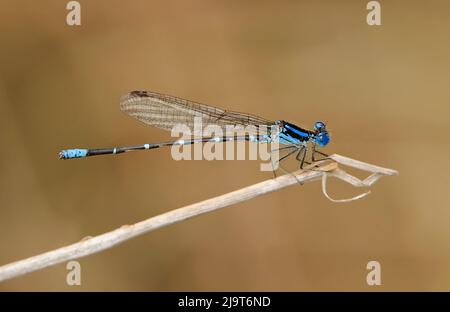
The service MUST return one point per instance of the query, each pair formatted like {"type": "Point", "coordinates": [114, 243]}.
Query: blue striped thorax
{"type": "Point", "coordinates": [292, 134]}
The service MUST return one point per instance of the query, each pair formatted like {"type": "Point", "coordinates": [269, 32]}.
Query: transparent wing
{"type": "Point", "coordinates": [165, 111]}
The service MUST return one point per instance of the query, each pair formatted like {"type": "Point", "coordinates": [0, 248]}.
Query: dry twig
{"type": "Point", "coordinates": [91, 245]}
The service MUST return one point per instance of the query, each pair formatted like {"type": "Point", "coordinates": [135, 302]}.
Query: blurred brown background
{"type": "Point", "coordinates": [384, 91]}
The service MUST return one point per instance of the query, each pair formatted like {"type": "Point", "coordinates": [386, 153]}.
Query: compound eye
{"type": "Point", "coordinates": [319, 126]}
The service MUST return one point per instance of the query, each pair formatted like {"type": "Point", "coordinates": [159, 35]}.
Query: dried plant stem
{"type": "Point", "coordinates": [107, 240]}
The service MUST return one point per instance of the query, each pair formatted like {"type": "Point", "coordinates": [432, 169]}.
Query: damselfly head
{"type": "Point", "coordinates": [321, 136]}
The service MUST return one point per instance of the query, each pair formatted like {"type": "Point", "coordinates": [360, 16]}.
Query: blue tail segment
{"type": "Point", "coordinates": [73, 153]}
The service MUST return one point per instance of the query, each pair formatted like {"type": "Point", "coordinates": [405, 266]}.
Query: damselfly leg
{"type": "Point", "coordinates": [303, 149]}
{"type": "Point", "coordinates": [314, 151]}
{"type": "Point", "coordinates": [277, 161]}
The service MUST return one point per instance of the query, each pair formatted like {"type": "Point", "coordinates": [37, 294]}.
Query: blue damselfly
{"type": "Point", "coordinates": [165, 111]}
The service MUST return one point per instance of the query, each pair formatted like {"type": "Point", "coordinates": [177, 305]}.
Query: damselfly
{"type": "Point", "coordinates": [164, 112]}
